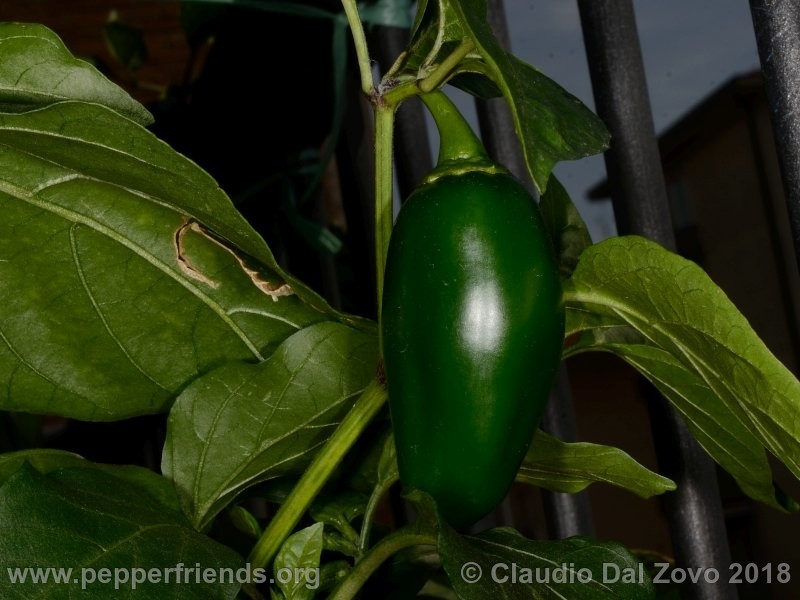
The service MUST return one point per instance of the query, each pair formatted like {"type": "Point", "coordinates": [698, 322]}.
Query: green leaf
{"type": "Point", "coordinates": [567, 229]}
{"type": "Point", "coordinates": [364, 473]}
{"type": "Point", "coordinates": [245, 522]}
{"type": "Point", "coordinates": [46, 460]}
{"type": "Point", "coordinates": [421, 14]}
{"type": "Point", "coordinates": [475, 82]}
{"type": "Point", "coordinates": [114, 295]}
{"type": "Point", "coordinates": [296, 566]}
{"type": "Point", "coordinates": [80, 518]}
{"type": "Point", "coordinates": [665, 316]}
{"type": "Point", "coordinates": [571, 467]}
{"type": "Point", "coordinates": [654, 563]}
{"type": "Point", "coordinates": [333, 541]}
{"type": "Point", "coordinates": [427, 520]}
{"type": "Point", "coordinates": [552, 124]}
{"type": "Point", "coordinates": [387, 472]}
{"type": "Point", "coordinates": [501, 563]}
{"type": "Point", "coordinates": [339, 510]}
{"type": "Point", "coordinates": [716, 427]}
{"type": "Point", "coordinates": [127, 272]}
{"type": "Point", "coordinates": [385, 476]}
{"type": "Point", "coordinates": [242, 423]}
{"type": "Point", "coordinates": [481, 566]}
{"type": "Point", "coordinates": [37, 70]}
{"type": "Point", "coordinates": [437, 32]}
{"type": "Point", "coordinates": [43, 460]}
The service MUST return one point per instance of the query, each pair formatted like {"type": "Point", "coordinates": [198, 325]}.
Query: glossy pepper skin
{"type": "Point", "coordinates": [472, 330]}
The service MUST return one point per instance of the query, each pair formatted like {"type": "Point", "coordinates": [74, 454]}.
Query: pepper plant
{"type": "Point", "coordinates": [132, 286]}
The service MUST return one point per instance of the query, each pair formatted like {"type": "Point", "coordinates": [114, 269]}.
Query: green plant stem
{"type": "Point", "coordinates": [443, 70]}
{"type": "Point", "coordinates": [384, 188]}
{"type": "Point", "coordinates": [395, 95]}
{"type": "Point", "coordinates": [375, 558]}
{"type": "Point", "coordinates": [317, 474]}
{"type": "Point", "coordinates": [360, 41]}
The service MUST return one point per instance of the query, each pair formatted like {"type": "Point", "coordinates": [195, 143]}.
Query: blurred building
{"type": "Point", "coordinates": [729, 210]}
{"type": "Point", "coordinates": [730, 216]}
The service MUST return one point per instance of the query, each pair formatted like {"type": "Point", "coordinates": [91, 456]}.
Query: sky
{"type": "Point", "coordinates": [689, 47]}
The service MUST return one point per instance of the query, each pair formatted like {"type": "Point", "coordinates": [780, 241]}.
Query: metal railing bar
{"type": "Point", "coordinates": [494, 116]}
{"type": "Point", "coordinates": [567, 514]}
{"type": "Point", "coordinates": [777, 27]}
{"type": "Point", "coordinates": [641, 207]}
{"type": "Point", "coordinates": [639, 193]}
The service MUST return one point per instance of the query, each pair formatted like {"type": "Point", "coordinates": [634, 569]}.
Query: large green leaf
{"type": "Point", "coordinates": [717, 427]}
{"type": "Point", "coordinates": [113, 295]}
{"type": "Point", "coordinates": [665, 316]}
{"type": "Point", "coordinates": [43, 459]}
{"type": "Point", "coordinates": [87, 520]}
{"type": "Point", "coordinates": [37, 70]}
{"type": "Point", "coordinates": [501, 563]}
{"type": "Point", "coordinates": [126, 271]}
{"type": "Point", "coordinates": [571, 467]}
{"type": "Point", "coordinates": [47, 460]}
{"type": "Point", "coordinates": [552, 124]}
{"type": "Point", "coordinates": [244, 423]}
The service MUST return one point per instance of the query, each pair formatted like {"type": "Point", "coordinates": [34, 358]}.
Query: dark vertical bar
{"type": "Point", "coordinates": [413, 156]}
{"type": "Point", "coordinates": [566, 514]}
{"type": "Point", "coordinates": [640, 202]}
{"type": "Point", "coordinates": [494, 115]}
{"type": "Point", "coordinates": [639, 192]}
{"type": "Point", "coordinates": [777, 26]}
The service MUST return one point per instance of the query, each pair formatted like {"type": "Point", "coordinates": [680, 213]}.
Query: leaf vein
{"type": "Point", "coordinates": [100, 315]}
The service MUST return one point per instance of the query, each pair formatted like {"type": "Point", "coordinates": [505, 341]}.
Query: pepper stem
{"type": "Point", "coordinates": [403, 538]}
{"type": "Point", "coordinates": [458, 143]}
{"type": "Point", "coordinates": [360, 42]}
{"type": "Point", "coordinates": [384, 182]}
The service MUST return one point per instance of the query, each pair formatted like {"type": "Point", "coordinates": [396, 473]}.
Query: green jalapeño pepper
{"type": "Point", "coordinates": [472, 328]}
